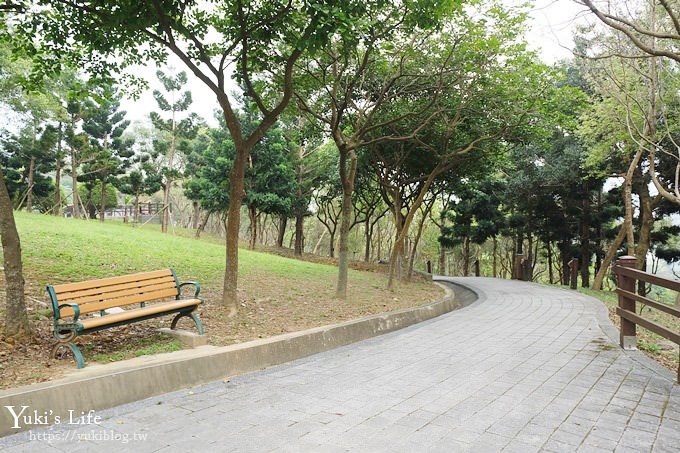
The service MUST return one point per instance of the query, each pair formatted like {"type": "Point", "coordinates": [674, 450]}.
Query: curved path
{"type": "Point", "coordinates": [525, 368]}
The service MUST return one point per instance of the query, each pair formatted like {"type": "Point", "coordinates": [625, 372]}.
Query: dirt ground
{"type": "Point", "coordinates": [269, 307]}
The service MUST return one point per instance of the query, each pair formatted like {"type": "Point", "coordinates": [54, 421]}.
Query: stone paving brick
{"type": "Point", "coordinates": [591, 449]}
{"type": "Point", "coordinates": [516, 446]}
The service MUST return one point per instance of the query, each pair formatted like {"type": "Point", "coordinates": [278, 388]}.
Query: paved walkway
{"type": "Point", "coordinates": [526, 368]}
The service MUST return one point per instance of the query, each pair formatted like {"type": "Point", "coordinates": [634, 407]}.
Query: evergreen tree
{"type": "Point", "coordinates": [31, 158]}
{"type": "Point", "coordinates": [177, 132]}
{"type": "Point", "coordinates": [111, 153]}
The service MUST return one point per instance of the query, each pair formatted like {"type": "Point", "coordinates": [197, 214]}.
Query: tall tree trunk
{"type": "Point", "coordinates": [56, 210]}
{"type": "Point", "coordinates": [283, 223]}
{"type": "Point", "coordinates": [647, 206]}
{"type": "Point", "coordinates": [549, 254]}
{"type": "Point", "coordinates": [398, 247]}
{"type": "Point", "coordinates": [252, 214]}
{"type": "Point", "coordinates": [626, 231]}
{"type": "Point", "coordinates": [31, 177]}
{"type": "Point", "coordinates": [565, 278]}
{"type": "Point", "coordinates": [585, 243]}
{"type": "Point", "coordinates": [495, 257]}
{"type": "Point", "coordinates": [609, 256]}
{"type": "Point", "coordinates": [402, 230]}
{"type": "Point", "coordinates": [16, 316]}
{"type": "Point", "coordinates": [195, 217]}
{"type": "Point", "coordinates": [102, 204]}
{"type": "Point", "coordinates": [647, 203]}
{"type": "Point", "coordinates": [599, 232]}
{"type": "Point", "coordinates": [368, 236]}
{"type": "Point", "coordinates": [348, 170]}
{"type": "Point", "coordinates": [419, 234]}
{"type": "Point", "coordinates": [442, 260]}
{"type": "Point", "coordinates": [315, 250]}
{"type": "Point", "coordinates": [74, 176]}
{"type": "Point", "coordinates": [201, 225]}
{"type": "Point", "coordinates": [466, 257]}
{"type": "Point", "coordinates": [135, 216]}
{"type": "Point", "coordinates": [299, 234]}
{"type": "Point", "coordinates": [331, 245]}
{"type": "Point", "coordinates": [165, 218]}
{"type": "Point", "coordinates": [230, 298]}
{"type": "Point", "coordinates": [517, 264]}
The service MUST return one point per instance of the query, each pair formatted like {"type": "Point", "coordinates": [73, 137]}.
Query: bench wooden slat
{"type": "Point", "coordinates": [110, 303]}
{"type": "Point", "coordinates": [91, 323]}
{"type": "Point", "coordinates": [116, 293]}
{"type": "Point", "coordinates": [73, 295]}
{"type": "Point", "coordinates": [102, 282]}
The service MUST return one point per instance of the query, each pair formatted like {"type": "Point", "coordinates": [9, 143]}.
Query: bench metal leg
{"type": "Point", "coordinates": [193, 316]}
{"type": "Point", "coordinates": [77, 355]}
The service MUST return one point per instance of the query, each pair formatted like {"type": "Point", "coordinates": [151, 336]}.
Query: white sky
{"type": "Point", "coordinates": [552, 22]}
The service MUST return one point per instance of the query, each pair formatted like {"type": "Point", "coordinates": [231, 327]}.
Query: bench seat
{"type": "Point", "coordinates": [144, 312]}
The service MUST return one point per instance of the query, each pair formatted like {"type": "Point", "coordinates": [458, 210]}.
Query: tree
{"type": "Point", "coordinates": [208, 167]}
{"type": "Point", "coordinates": [111, 151]}
{"type": "Point", "coordinates": [635, 93]}
{"type": "Point", "coordinates": [255, 40]}
{"type": "Point", "coordinates": [652, 40]}
{"type": "Point", "coordinates": [35, 147]}
{"type": "Point", "coordinates": [653, 30]}
{"type": "Point", "coordinates": [79, 146]}
{"type": "Point", "coordinates": [492, 88]}
{"type": "Point", "coordinates": [473, 217]}
{"type": "Point", "coordinates": [179, 131]}
{"type": "Point", "coordinates": [16, 316]}
{"type": "Point", "coordinates": [31, 159]}
{"type": "Point", "coordinates": [270, 180]}
{"type": "Point", "coordinates": [91, 198]}
{"type": "Point", "coordinates": [356, 76]}
{"type": "Point", "coordinates": [368, 203]}
{"type": "Point", "coordinates": [144, 177]}
{"type": "Point", "coordinates": [305, 144]}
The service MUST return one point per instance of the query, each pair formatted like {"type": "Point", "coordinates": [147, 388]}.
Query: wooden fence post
{"type": "Point", "coordinates": [628, 339]}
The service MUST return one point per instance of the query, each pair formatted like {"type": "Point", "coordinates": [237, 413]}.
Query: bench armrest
{"type": "Point", "coordinates": [76, 311]}
{"type": "Point", "coordinates": [196, 285]}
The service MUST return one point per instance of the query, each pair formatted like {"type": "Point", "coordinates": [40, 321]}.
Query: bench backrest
{"type": "Point", "coordinates": [101, 294]}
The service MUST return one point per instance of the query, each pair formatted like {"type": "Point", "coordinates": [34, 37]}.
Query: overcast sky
{"type": "Point", "coordinates": [552, 22]}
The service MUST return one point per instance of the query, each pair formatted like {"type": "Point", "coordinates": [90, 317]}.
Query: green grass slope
{"type": "Point", "coordinates": [57, 250]}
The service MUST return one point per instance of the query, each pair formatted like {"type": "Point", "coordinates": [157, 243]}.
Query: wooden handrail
{"type": "Point", "coordinates": [627, 276]}
{"type": "Point", "coordinates": [647, 277]}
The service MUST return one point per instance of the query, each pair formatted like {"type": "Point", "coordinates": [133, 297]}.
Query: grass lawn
{"type": "Point", "coordinates": [277, 294]}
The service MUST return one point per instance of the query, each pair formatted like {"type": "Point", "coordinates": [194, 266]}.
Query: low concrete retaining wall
{"type": "Point", "coordinates": [98, 387]}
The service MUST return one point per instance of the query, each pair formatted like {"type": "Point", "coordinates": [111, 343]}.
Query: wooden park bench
{"type": "Point", "coordinates": [89, 306]}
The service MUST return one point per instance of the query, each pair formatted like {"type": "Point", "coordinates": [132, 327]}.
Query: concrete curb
{"type": "Point", "coordinates": [98, 387]}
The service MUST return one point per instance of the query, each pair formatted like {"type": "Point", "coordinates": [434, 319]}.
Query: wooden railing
{"type": "Point", "coordinates": [627, 276]}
